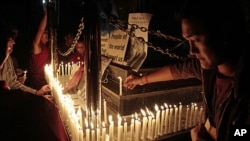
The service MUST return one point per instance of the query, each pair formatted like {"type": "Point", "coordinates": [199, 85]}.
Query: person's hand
{"type": "Point", "coordinates": [22, 79]}
{"type": "Point", "coordinates": [19, 72]}
{"type": "Point", "coordinates": [44, 89]}
{"type": "Point", "coordinates": [199, 133]}
{"type": "Point", "coordinates": [131, 81]}
{"type": "Point", "coordinates": [50, 98]}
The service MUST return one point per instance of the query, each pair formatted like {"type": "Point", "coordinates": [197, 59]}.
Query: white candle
{"type": "Point", "coordinates": [191, 115]}
{"type": "Point", "coordinates": [180, 115]}
{"type": "Point", "coordinates": [149, 126]}
{"type": "Point", "coordinates": [93, 133]}
{"type": "Point", "coordinates": [144, 124]}
{"type": "Point", "coordinates": [111, 128]}
{"type": "Point", "coordinates": [125, 130]}
{"type": "Point", "coordinates": [162, 120]}
{"type": "Point", "coordinates": [137, 129]}
{"type": "Point", "coordinates": [132, 128]}
{"type": "Point", "coordinates": [69, 69]}
{"type": "Point", "coordinates": [175, 117]}
{"type": "Point", "coordinates": [166, 118]}
{"type": "Point", "coordinates": [63, 69]}
{"type": "Point", "coordinates": [24, 73]}
{"type": "Point", "coordinates": [201, 115]}
{"type": "Point", "coordinates": [87, 130]}
{"type": "Point", "coordinates": [153, 129]}
{"type": "Point", "coordinates": [187, 115]}
{"type": "Point", "coordinates": [120, 85]}
{"type": "Point", "coordinates": [98, 133]}
{"type": "Point", "coordinates": [80, 134]}
{"type": "Point", "coordinates": [87, 134]}
{"type": "Point", "coordinates": [105, 111]}
{"type": "Point", "coordinates": [170, 118]}
{"type": "Point", "coordinates": [66, 69]}
{"type": "Point", "coordinates": [195, 114]}
{"type": "Point", "coordinates": [119, 126]}
{"type": "Point", "coordinates": [157, 121]}
{"type": "Point", "coordinates": [103, 131]}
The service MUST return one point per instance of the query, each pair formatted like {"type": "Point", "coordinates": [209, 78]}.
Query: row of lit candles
{"type": "Point", "coordinates": [65, 69]}
{"type": "Point", "coordinates": [149, 125]}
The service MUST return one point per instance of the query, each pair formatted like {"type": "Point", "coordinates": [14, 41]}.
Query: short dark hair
{"type": "Point", "coordinates": [224, 20]}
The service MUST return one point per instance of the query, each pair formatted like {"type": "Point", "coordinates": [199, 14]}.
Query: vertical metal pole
{"type": "Point", "coordinates": [92, 62]}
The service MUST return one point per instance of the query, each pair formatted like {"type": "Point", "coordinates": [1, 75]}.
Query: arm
{"type": "Point", "coordinates": [163, 74]}
{"type": "Point", "coordinates": [40, 31]}
{"type": "Point", "coordinates": [180, 70]}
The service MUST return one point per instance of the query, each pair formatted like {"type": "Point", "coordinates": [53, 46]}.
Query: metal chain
{"type": "Point", "coordinates": [78, 34]}
{"type": "Point", "coordinates": [122, 25]}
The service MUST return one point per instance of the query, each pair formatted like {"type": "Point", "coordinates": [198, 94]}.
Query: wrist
{"type": "Point", "coordinates": [144, 79]}
{"type": "Point", "coordinates": [37, 92]}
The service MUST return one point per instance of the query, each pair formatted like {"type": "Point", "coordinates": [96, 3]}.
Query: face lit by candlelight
{"type": "Point", "coordinates": [9, 48]}
{"type": "Point", "coordinates": [80, 47]}
{"type": "Point", "coordinates": [199, 43]}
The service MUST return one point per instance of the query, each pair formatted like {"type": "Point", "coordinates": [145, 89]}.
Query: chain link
{"type": "Point", "coordinates": [122, 25]}
{"type": "Point", "coordinates": [72, 47]}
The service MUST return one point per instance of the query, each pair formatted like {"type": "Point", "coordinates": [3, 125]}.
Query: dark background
{"type": "Point", "coordinates": [26, 15]}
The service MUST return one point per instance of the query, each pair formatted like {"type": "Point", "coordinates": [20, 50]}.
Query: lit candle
{"type": "Point", "coordinates": [105, 111]}
{"type": "Point", "coordinates": [80, 134]}
{"type": "Point", "coordinates": [201, 115]}
{"type": "Point", "coordinates": [132, 128]}
{"type": "Point", "coordinates": [149, 124]}
{"type": "Point", "coordinates": [180, 115]}
{"type": "Point", "coordinates": [69, 69]}
{"type": "Point", "coordinates": [191, 115]}
{"type": "Point", "coordinates": [125, 130]}
{"type": "Point", "coordinates": [92, 132]}
{"type": "Point", "coordinates": [187, 115]}
{"type": "Point", "coordinates": [66, 69]}
{"type": "Point", "coordinates": [195, 114]}
{"type": "Point", "coordinates": [119, 126]}
{"type": "Point", "coordinates": [98, 133]}
{"type": "Point", "coordinates": [103, 131]}
{"type": "Point", "coordinates": [170, 117]}
{"type": "Point", "coordinates": [111, 128]}
{"type": "Point", "coordinates": [120, 85]}
{"type": "Point", "coordinates": [24, 73]}
{"type": "Point", "coordinates": [162, 120]}
{"type": "Point", "coordinates": [144, 124]}
{"type": "Point", "coordinates": [87, 131]}
{"type": "Point", "coordinates": [153, 129]}
{"type": "Point", "coordinates": [137, 129]}
{"type": "Point", "coordinates": [62, 69]}
{"type": "Point", "coordinates": [166, 118]}
{"type": "Point", "coordinates": [175, 117]}
{"type": "Point", "coordinates": [157, 121]}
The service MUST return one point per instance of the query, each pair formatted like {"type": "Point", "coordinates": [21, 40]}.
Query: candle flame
{"type": "Point", "coordinates": [86, 123]}
{"type": "Point", "coordinates": [110, 118]}
{"type": "Point", "coordinates": [103, 124]}
{"type": "Point", "coordinates": [143, 112]}
{"type": "Point", "coordinates": [166, 105]}
{"type": "Point", "coordinates": [156, 107]}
